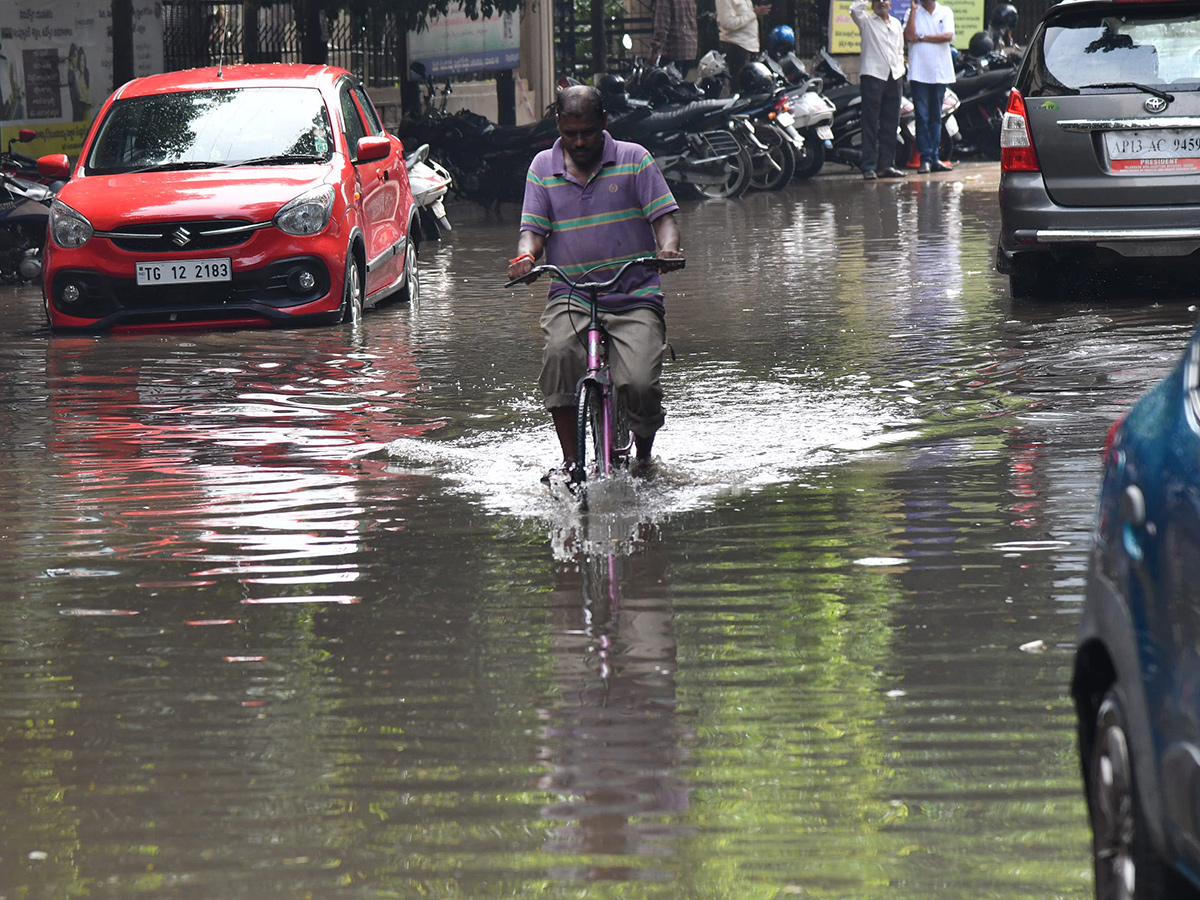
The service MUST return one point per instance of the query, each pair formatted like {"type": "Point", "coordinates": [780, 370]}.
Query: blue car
{"type": "Point", "coordinates": [1136, 681]}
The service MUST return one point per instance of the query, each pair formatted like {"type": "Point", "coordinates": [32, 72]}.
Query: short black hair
{"type": "Point", "coordinates": [580, 100]}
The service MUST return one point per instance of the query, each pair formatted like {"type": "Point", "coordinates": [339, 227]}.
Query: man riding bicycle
{"type": "Point", "coordinates": [594, 201]}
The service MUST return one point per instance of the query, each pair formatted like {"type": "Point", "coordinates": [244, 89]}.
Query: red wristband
{"type": "Point", "coordinates": [528, 256]}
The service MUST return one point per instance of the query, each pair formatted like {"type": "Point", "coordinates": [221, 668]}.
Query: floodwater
{"type": "Point", "coordinates": [288, 614]}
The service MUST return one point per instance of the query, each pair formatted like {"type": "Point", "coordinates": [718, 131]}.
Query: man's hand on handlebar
{"type": "Point", "coordinates": [520, 267]}
{"type": "Point", "coordinates": [670, 260]}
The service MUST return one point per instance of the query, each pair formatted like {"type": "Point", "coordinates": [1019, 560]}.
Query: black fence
{"type": "Point", "coordinates": [202, 34]}
{"type": "Point", "coordinates": [371, 44]}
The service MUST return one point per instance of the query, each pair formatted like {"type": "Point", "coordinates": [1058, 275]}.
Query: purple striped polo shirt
{"type": "Point", "coordinates": [602, 223]}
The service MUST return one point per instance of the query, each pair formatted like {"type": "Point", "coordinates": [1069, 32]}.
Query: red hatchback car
{"type": "Point", "coordinates": [231, 197]}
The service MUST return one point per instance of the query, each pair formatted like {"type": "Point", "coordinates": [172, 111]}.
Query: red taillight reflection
{"type": "Point", "coordinates": [1016, 144]}
{"type": "Point", "coordinates": [1111, 438]}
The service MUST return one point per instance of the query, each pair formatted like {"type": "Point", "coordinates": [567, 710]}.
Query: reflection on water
{"type": "Point", "coordinates": [289, 614]}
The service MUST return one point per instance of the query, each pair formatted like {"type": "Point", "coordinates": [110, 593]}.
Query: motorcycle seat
{"type": "Point", "coordinates": [678, 116]}
{"type": "Point", "coordinates": [512, 137]}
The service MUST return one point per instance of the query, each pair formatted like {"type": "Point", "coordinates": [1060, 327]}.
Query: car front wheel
{"type": "Point", "coordinates": [1126, 865]}
{"type": "Point", "coordinates": [352, 295]}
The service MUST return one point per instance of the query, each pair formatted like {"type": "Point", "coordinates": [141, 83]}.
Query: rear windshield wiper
{"type": "Point", "coordinates": [280, 158]}
{"type": "Point", "coordinates": [1110, 85]}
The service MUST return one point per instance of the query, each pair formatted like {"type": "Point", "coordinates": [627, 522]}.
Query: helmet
{"type": "Point", "coordinates": [609, 84]}
{"type": "Point", "coordinates": [782, 39]}
{"type": "Point", "coordinates": [1004, 16]}
{"type": "Point", "coordinates": [755, 78]}
{"type": "Point", "coordinates": [981, 45]}
{"type": "Point", "coordinates": [711, 64]}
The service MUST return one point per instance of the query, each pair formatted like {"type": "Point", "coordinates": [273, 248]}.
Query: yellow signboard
{"type": "Point", "coordinates": [844, 37]}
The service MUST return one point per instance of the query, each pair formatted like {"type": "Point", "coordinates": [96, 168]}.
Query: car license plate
{"type": "Point", "coordinates": [824, 132]}
{"type": "Point", "coordinates": [1157, 151]}
{"type": "Point", "coordinates": [785, 119]}
{"type": "Point", "coordinates": [184, 271]}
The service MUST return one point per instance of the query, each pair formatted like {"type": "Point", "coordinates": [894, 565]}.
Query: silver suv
{"type": "Point", "coordinates": [1100, 147]}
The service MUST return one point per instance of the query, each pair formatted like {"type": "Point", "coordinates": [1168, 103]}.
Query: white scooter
{"type": "Point", "coordinates": [429, 182]}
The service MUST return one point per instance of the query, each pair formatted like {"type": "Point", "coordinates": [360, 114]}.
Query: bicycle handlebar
{"type": "Point", "coordinates": [650, 262]}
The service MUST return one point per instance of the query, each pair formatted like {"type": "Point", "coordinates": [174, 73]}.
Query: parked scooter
{"type": "Point", "coordinates": [429, 183]}
{"type": "Point", "coordinates": [812, 110]}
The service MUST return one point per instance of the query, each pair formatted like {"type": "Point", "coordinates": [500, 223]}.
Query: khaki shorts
{"type": "Point", "coordinates": [637, 342]}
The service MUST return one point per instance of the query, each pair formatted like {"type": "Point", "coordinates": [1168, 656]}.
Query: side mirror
{"type": "Point", "coordinates": [372, 147]}
{"type": "Point", "coordinates": [56, 165]}
{"type": "Point", "coordinates": [25, 135]}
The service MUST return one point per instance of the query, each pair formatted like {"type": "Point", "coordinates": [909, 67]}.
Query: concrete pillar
{"type": "Point", "coordinates": [537, 59]}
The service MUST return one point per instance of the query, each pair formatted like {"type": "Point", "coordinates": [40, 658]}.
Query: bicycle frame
{"type": "Point", "coordinates": [597, 377]}
{"type": "Point", "coordinates": [598, 373]}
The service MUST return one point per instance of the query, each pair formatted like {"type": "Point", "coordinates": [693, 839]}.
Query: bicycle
{"type": "Point", "coordinates": [600, 414]}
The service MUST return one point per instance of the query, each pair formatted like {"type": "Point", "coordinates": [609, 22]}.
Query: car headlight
{"type": "Point", "coordinates": [68, 227]}
{"type": "Point", "coordinates": [307, 214]}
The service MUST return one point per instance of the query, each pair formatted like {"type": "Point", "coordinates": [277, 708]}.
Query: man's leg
{"type": "Point", "coordinates": [563, 362]}
{"type": "Point", "coordinates": [889, 121]}
{"type": "Point", "coordinates": [935, 123]}
{"type": "Point", "coordinates": [923, 95]}
{"type": "Point", "coordinates": [637, 342]}
{"type": "Point", "coordinates": [735, 58]}
{"type": "Point", "coordinates": [871, 89]}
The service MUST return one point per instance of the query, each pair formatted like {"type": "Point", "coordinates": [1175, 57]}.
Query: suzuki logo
{"type": "Point", "coordinates": [1155, 104]}
{"type": "Point", "coordinates": [182, 237]}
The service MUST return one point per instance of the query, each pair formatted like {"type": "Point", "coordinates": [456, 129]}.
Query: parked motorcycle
{"type": "Point", "coordinates": [985, 76]}
{"type": "Point", "coordinates": [759, 117]}
{"type": "Point", "coordinates": [24, 210]}
{"type": "Point", "coordinates": [429, 183]}
{"type": "Point", "coordinates": [696, 143]}
{"type": "Point", "coordinates": [487, 162]}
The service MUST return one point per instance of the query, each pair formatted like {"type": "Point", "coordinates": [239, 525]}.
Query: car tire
{"type": "Point", "coordinates": [412, 275]}
{"type": "Point", "coordinates": [1026, 280]}
{"type": "Point", "coordinates": [1125, 862]}
{"type": "Point", "coordinates": [352, 294]}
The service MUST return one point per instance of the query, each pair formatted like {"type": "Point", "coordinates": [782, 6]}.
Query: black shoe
{"type": "Point", "coordinates": [869, 175]}
{"type": "Point", "coordinates": [940, 166]}
{"type": "Point", "coordinates": [892, 173]}
{"type": "Point", "coordinates": [923, 169]}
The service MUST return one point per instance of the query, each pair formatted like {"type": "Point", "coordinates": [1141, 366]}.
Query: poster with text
{"type": "Point", "coordinates": [455, 44]}
{"type": "Point", "coordinates": [56, 66]}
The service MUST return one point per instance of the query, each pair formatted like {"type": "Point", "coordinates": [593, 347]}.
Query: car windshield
{"type": "Point", "coordinates": [1135, 46]}
{"type": "Point", "coordinates": [211, 128]}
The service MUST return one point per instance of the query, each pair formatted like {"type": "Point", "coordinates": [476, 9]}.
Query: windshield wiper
{"type": "Point", "coordinates": [280, 158]}
{"type": "Point", "coordinates": [177, 165]}
{"type": "Point", "coordinates": [1155, 92]}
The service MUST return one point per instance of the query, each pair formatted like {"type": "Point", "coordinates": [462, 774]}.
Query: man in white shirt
{"type": "Point", "coordinates": [737, 24]}
{"type": "Point", "coordinates": [881, 68]}
{"type": "Point", "coordinates": [929, 31]}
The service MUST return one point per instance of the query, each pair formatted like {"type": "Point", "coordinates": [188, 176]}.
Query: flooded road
{"type": "Point", "coordinates": [288, 614]}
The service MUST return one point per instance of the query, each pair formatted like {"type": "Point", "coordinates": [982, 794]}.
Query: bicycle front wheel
{"type": "Point", "coordinates": [591, 450]}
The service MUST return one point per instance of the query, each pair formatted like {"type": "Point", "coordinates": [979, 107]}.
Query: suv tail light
{"type": "Point", "coordinates": [1016, 146]}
